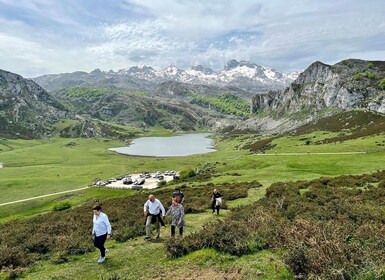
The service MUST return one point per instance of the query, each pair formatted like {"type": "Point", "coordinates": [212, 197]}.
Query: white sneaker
{"type": "Point", "coordinates": [102, 259]}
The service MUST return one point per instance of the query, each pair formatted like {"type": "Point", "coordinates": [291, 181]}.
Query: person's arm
{"type": "Point", "coordinates": [181, 215]}
{"type": "Point", "coordinates": [181, 201]}
{"type": "Point", "coordinates": [162, 209]}
{"type": "Point", "coordinates": [109, 229]}
{"type": "Point", "coordinates": [168, 211]}
{"type": "Point", "coordinates": [93, 225]}
{"type": "Point", "coordinates": [145, 207]}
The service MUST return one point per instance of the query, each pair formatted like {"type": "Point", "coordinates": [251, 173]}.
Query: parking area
{"type": "Point", "coordinates": [135, 181]}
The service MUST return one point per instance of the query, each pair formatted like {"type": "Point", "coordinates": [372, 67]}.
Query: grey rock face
{"type": "Point", "coordinates": [26, 109]}
{"type": "Point", "coordinates": [345, 85]}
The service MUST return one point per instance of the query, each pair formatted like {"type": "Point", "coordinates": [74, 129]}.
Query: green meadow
{"type": "Point", "coordinates": [38, 167]}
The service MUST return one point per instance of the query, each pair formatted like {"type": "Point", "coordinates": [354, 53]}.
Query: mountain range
{"type": "Point", "coordinates": [244, 75]}
{"type": "Point", "coordinates": [91, 105]}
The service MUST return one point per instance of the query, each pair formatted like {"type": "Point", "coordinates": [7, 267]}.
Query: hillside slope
{"type": "Point", "coordinates": [346, 85]}
{"type": "Point", "coordinates": [26, 109]}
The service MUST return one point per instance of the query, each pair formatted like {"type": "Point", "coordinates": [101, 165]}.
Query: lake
{"type": "Point", "coordinates": [174, 146]}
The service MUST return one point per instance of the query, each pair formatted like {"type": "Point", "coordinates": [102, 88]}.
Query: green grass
{"type": "Point", "coordinates": [39, 167]}
{"type": "Point", "coordinates": [130, 260]}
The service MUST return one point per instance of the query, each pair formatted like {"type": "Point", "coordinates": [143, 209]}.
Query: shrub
{"type": "Point", "coordinates": [357, 76]}
{"type": "Point", "coordinates": [371, 75]}
{"type": "Point", "coordinates": [61, 206]}
{"type": "Point", "coordinates": [382, 84]}
{"type": "Point", "coordinates": [161, 183]}
{"type": "Point", "coordinates": [187, 173]}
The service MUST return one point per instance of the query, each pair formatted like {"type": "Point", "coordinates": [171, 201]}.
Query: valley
{"type": "Point", "coordinates": [302, 159]}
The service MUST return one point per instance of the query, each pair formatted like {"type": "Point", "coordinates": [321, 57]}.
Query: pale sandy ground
{"type": "Point", "coordinates": [150, 183]}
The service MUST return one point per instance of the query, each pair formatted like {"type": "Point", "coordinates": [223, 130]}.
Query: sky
{"type": "Point", "coordinates": [40, 37]}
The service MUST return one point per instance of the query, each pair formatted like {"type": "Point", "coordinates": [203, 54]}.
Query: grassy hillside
{"type": "Point", "coordinates": [283, 237]}
{"type": "Point", "coordinates": [38, 167]}
{"type": "Point", "coordinates": [277, 237]}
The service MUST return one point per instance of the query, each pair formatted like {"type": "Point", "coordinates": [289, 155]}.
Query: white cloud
{"type": "Point", "coordinates": [44, 36]}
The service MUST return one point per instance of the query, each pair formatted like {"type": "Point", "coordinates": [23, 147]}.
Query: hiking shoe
{"type": "Point", "coordinates": [106, 251]}
{"type": "Point", "coordinates": [158, 237]}
{"type": "Point", "coordinates": [102, 259]}
{"type": "Point", "coordinates": [147, 238]}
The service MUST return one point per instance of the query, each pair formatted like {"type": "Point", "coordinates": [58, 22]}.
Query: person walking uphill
{"type": "Point", "coordinates": [152, 211]}
{"type": "Point", "coordinates": [101, 231]}
{"type": "Point", "coordinates": [177, 213]}
{"type": "Point", "coordinates": [178, 195]}
{"type": "Point", "coordinates": [216, 201]}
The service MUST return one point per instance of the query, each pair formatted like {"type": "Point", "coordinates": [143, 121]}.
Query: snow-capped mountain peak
{"type": "Point", "coordinates": [243, 74]}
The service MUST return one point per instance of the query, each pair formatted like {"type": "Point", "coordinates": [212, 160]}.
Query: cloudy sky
{"type": "Point", "coordinates": [55, 36]}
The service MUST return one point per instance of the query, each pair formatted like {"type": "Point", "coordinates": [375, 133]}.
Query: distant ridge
{"type": "Point", "coordinates": [245, 75]}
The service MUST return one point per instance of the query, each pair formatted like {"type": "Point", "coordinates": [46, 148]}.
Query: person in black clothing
{"type": "Point", "coordinates": [179, 195]}
{"type": "Point", "coordinates": [216, 201]}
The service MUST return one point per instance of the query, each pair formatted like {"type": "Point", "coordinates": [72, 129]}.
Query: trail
{"type": "Point", "coordinates": [310, 153]}
{"type": "Point", "coordinates": [41, 196]}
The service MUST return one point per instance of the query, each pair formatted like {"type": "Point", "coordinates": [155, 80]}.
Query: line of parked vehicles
{"type": "Point", "coordinates": [136, 184]}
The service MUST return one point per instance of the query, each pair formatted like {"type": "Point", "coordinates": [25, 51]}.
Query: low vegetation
{"type": "Point", "coordinates": [226, 103]}
{"type": "Point", "coordinates": [331, 228]}
{"type": "Point", "coordinates": [61, 233]}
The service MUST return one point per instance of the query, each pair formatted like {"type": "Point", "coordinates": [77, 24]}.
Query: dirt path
{"type": "Point", "coordinates": [41, 196]}
{"type": "Point", "coordinates": [300, 154]}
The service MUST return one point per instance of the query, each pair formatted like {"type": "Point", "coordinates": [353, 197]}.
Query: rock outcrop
{"type": "Point", "coordinates": [26, 109]}
{"type": "Point", "coordinates": [346, 85]}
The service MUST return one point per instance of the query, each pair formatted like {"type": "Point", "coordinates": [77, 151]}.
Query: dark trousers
{"type": "Point", "coordinates": [214, 206]}
{"type": "Point", "coordinates": [99, 243]}
{"type": "Point", "coordinates": [173, 231]}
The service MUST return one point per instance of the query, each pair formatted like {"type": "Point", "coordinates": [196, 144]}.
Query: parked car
{"type": "Point", "coordinates": [127, 180]}
{"type": "Point", "coordinates": [159, 177]}
{"type": "Point", "coordinates": [139, 181]}
{"type": "Point", "coordinates": [136, 187]}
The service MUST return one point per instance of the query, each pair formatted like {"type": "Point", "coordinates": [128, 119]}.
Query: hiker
{"type": "Point", "coordinates": [177, 213]}
{"type": "Point", "coordinates": [178, 195]}
{"type": "Point", "coordinates": [216, 201]}
{"type": "Point", "coordinates": [152, 211]}
{"type": "Point", "coordinates": [101, 231]}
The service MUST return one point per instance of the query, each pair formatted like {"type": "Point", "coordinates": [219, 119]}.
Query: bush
{"type": "Point", "coordinates": [61, 233]}
{"type": "Point", "coordinates": [187, 173]}
{"type": "Point", "coordinates": [382, 84]}
{"type": "Point", "coordinates": [61, 206]}
{"type": "Point", "coordinates": [161, 183]}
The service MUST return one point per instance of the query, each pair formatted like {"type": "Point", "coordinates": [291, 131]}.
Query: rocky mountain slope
{"type": "Point", "coordinates": [244, 75]}
{"type": "Point", "coordinates": [26, 109]}
{"type": "Point", "coordinates": [346, 85]}
{"type": "Point", "coordinates": [136, 109]}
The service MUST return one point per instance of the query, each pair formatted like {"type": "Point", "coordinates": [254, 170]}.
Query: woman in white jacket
{"type": "Point", "coordinates": [101, 231]}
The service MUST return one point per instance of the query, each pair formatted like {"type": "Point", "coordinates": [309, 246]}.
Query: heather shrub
{"type": "Point", "coordinates": [61, 206]}
{"type": "Point", "coordinates": [335, 229]}
{"type": "Point", "coordinates": [61, 233]}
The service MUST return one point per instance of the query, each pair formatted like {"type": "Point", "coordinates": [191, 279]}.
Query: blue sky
{"type": "Point", "coordinates": [54, 36]}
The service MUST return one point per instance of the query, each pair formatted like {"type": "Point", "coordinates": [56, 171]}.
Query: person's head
{"type": "Point", "coordinates": [215, 190]}
{"type": "Point", "coordinates": [151, 197]}
{"type": "Point", "coordinates": [96, 209]}
{"type": "Point", "coordinates": [175, 201]}
{"type": "Point", "coordinates": [177, 190]}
